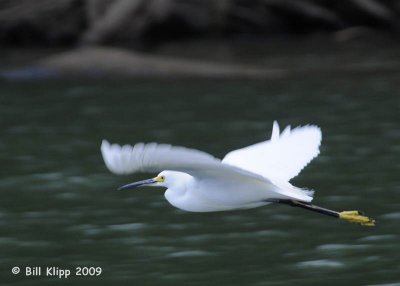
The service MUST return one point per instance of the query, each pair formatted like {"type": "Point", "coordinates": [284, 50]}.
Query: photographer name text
{"type": "Point", "coordinates": [57, 272]}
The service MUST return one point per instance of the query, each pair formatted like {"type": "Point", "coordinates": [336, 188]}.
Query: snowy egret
{"type": "Point", "coordinates": [250, 177]}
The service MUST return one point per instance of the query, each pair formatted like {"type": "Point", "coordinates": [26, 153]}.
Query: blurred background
{"type": "Point", "coordinates": [210, 75]}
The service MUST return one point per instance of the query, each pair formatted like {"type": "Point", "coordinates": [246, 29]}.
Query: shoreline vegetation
{"type": "Point", "coordinates": [216, 39]}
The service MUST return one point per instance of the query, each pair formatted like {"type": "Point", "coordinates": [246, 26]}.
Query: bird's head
{"type": "Point", "coordinates": [164, 179]}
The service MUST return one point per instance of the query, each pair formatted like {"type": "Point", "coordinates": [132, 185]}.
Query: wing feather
{"type": "Point", "coordinates": [282, 157]}
{"type": "Point", "coordinates": [153, 157]}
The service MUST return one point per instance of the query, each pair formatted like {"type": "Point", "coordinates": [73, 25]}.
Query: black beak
{"type": "Point", "coordinates": [137, 184]}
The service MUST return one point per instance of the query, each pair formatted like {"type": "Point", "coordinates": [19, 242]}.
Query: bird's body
{"type": "Point", "coordinates": [210, 194]}
{"type": "Point", "coordinates": [246, 178]}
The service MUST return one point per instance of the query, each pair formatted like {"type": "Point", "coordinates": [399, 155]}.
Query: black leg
{"type": "Point", "coordinates": [352, 216]}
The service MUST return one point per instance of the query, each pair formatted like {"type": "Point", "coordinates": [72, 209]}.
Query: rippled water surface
{"type": "Point", "coordinates": [58, 206]}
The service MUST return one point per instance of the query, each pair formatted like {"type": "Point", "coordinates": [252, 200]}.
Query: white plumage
{"type": "Point", "coordinates": [245, 178]}
{"type": "Point", "coordinates": [282, 157]}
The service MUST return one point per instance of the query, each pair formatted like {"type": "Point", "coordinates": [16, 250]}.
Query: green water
{"type": "Point", "coordinates": [58, 206]}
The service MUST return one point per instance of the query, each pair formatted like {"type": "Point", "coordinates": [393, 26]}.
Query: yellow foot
{"type": "Point", "coordinates": [356, 217]}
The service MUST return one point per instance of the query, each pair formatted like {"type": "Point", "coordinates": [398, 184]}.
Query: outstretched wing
{"type": "Point", "coordinates": [153, 157]}
{"type": "Point", "coordinates": [282, 157]}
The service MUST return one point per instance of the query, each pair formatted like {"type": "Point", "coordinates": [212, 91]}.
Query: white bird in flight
{"type": "Point", "coordinates": [246, 178]}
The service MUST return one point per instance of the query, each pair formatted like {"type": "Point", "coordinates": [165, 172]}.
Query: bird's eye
{"type": "Point", "coordinates": [159, 179]}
